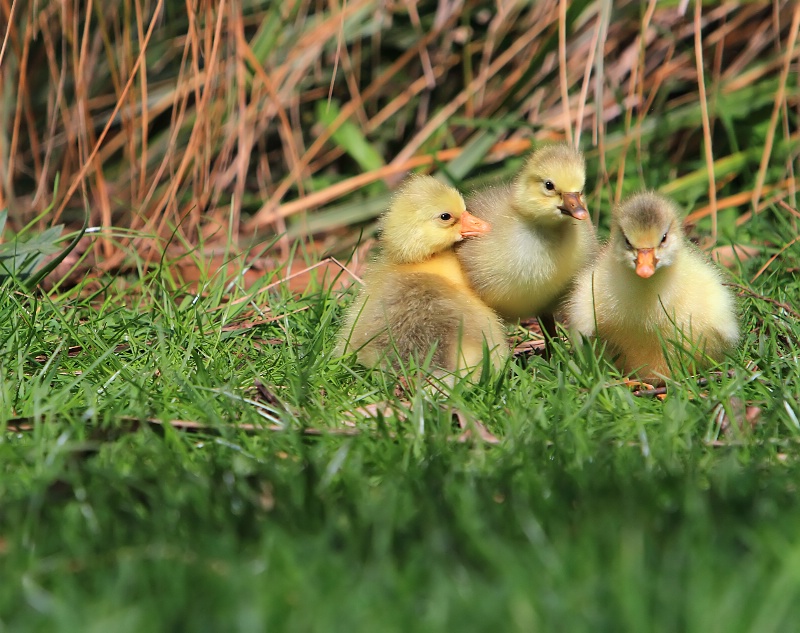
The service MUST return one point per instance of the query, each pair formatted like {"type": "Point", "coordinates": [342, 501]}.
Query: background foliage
{"type": "Point", "coordinates": [254, 118]}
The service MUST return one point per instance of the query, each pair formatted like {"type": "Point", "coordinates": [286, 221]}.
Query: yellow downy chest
{"type": "Point", "coordinates": [445, 265]}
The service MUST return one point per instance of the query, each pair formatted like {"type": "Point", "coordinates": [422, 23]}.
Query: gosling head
{"type": "Point", "coordinates": [425, 218]}
{"type": "Point", "coordinates": [550, 186]}
{"type": "Point", "coordinates": [646, 233]}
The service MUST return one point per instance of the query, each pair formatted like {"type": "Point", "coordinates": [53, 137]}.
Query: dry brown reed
{"type": "Point", "coordinates": [238, 120]}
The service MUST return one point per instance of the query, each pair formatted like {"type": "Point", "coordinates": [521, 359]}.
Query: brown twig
{"type": "Point", "coordinates": [132, 424]}
{"type": "Point", "coordinates": [78, 180]}
{"type": "Point", "coordinates": [774, 257]}
{"type": "Point", "coordinates": [786, 206]}
{"type": "Point", "coordinates": [9, 24]}
{"type": "Point", "coordinates": [562, 67]}
{"type": "Point", "coordinates": [511, 147]}
{"type": "Point", "coordinates": [701, 87]}
{"type": "Point", "coordinates": [701, 382]}
{"type": "Point", "coordinates": [755, 295]}
{"type": "Point", "coordinates": [780, 100]}
{"type": "Point", "coordinates": [734, 200]}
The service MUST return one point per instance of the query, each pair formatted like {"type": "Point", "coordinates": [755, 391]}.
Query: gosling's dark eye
{"type": "Point", "coordinates": [548, 184]}
{"type": "Point", "coordinates": [445, 217]}
{"type": "Point", "coordinates": [663, 238]}
{"type": "Point", "coordinates": [628, 244]}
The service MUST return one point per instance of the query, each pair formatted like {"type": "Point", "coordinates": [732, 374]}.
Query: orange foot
{"type": "Point", "coordinates": [639, 386]}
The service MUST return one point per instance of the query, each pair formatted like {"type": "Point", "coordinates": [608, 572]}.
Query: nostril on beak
{"type": "Point", "coordinates": [571, 204]}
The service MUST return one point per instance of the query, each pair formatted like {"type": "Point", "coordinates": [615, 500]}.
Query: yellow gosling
{"type": "Point", "coordinates": [416, 300]}
{"type": "Point", "coordinates": [650, 285]}
{"type": "Point", "coordinates": [541, 235]}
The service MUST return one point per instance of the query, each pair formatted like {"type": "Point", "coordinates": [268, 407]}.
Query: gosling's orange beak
{"type": "Point", "coordinates": [472, 226]}
{"type": "Point", "coordinates": [645, 262]}
{"type": "Point", "coordinates": [572, 205]}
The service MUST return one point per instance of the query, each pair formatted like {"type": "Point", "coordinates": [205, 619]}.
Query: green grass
{"type": "Point", "coordinates": [596, 511]}
{"type": "Point", "coordinates": [288, 508]}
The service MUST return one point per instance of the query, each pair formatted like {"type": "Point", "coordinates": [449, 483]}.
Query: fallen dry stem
{"type": "Point", "coordinates": [748, 291]}
{"type": "Point", "coordinates": [701, 382]}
